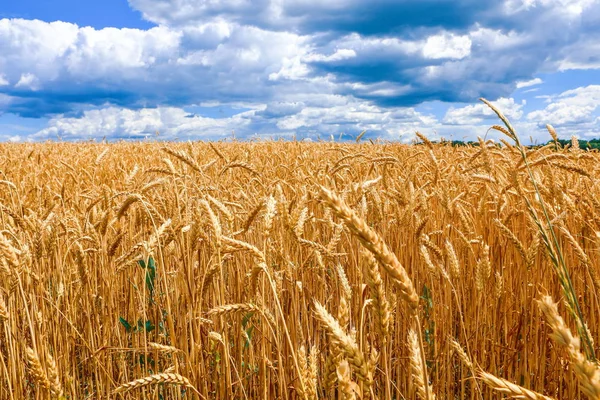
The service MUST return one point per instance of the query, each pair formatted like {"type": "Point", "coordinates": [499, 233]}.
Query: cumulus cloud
{"type": "Point", "coordinates": [355, 116]}
{"type": "Point", "coordinates": [169, 122]}
{"type": "Point", "coordinates": [314, 116]}
{"type": "Point", "coordinates": [478, 113]}
{"type": "Point", "coordinates": [136, 68]}
{"type": "Point", "coordinates": [573, 112]}
{"type": "Point", "coordinates": [339, 59]}
{"type": "Point", "coordinates": [447, 46]}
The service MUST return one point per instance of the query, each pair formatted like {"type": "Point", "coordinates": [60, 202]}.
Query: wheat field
{"type": "Point", "coordinates": [292, 270]}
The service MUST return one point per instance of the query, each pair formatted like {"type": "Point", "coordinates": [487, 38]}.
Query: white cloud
{"type": "Point", "coordinates": [447, 45]}
{"type": "Point", "coordinates": [57, 50]}
{"type": "Point", "coordinates": [28, 81]}
{"type": "Point", "coordinates": [291, 68]}
{"type": "Point", "coordinates": [580, 55]}
{"type": "Point", "coordinates": [249, 49]}
{"type": "Point", "coordinates": [349, 114]}
{"type": "Point", "coordinates": [380, 89]}
{"type": "Point", "coordinates": [568, 7]}
{"type": "Point", "coordinates": [477, 113]}
{"type": "Point", "coordinates": [99, 52]}
{"type": "Point", "coordinates": [317, 115]}
{"type": "Point", "coordinates": [208, 35]}
{"type": "Point", "coordinates": [499, 41]}
{"type": "Point", "coordinates": [218, 60]}
{"type": "Point", "coordinates": [174, 12]}
{"type": "Point", "coordinates": [170, 122]}
{"type": "Point", "coordinates": [3, 81]}
{"type": "Point", "coordinates": [532, 82]}
{"type": "Point", "coordinates": [34, 46]}
{"type": "Point", "coordinates": [366, 48]}
{"type": "Point", "coordinates": [279, 13]}
{"type": "Point", "coordinates": [340, 54]}
{"type": "Point", "coordinates": [578, 107]}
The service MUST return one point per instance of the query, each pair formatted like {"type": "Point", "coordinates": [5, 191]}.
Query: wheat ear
{"type": "Point", "coordinates": [587, 372]}
{"type": "Point", "coordinates": [452, 259]}
{"type": "Point", "coordinates": [512, 237]}
{"type": "Point", "coordinates": [243, 308]}
{"type": "Point", "coordinates": [183, 157]}
{"type": "Point", "coordinates": [418, 369]}
{"type": "Point", "coordinates": [168, 378]}
{"type": "Point", "coordinates": [163, 348]}
{"type": "Point", "coordinates": [214, 221]}
{"type": "Point", "coordinates": [509, 389]}
{"type": "Point", "coordinates": [382, 305]}
{"type": "Point", "coordinates": [348, 389]}
{"type": "Point", "coordinates": [36, 370]}
{"type": "Point", "coordinates": [462, 355]}
{"type": "Point", "coordinates": [9, 253]}
{"type": "Point", "coordinates": [3, 310]}
{"type": "Point", "coordinates": [373, 242]}
{"type": "Point", "coordinates": [346, 344]}
{"type": "Point", "coordinates": [308, 367]}
{"type": "Point", "coordinates": [55, 385]}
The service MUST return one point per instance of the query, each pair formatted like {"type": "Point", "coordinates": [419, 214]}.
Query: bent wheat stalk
{"type": "Point", "coordinates": [509, 389]}
{"type": "Point", "coordinates": [168, 378]}
{"type": "Point", "coordinates": [373, 242]}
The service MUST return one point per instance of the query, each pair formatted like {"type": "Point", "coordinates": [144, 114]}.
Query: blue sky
{"type": "Point", "coordinates": [202, 69]}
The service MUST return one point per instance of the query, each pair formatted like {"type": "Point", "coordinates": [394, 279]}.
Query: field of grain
{"type": "Point", "coordinates": [292, 270]}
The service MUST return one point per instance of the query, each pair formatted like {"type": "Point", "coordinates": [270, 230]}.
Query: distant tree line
{"type": "Point", "coordinates": [583, 144]}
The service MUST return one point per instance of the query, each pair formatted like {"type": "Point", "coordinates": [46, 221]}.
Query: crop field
{"type": "Point", "coordinates": [291, 270]}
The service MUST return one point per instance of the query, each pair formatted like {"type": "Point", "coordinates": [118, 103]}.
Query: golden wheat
{"type": "Point", "coordinates": [214, 262]}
